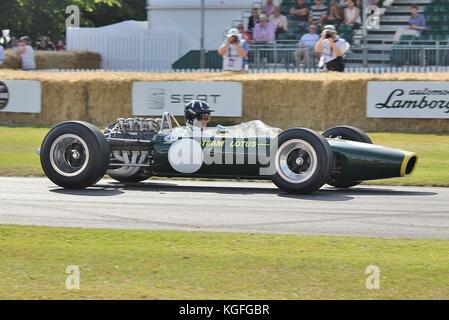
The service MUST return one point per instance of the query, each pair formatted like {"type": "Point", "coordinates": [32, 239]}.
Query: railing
{"type": "Point", "coordinates": [281, 56]}
{"type": "Point", "coordinates": [420, 53]}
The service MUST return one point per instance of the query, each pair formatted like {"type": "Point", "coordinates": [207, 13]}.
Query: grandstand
{"type": "Point", "coordinates": [429, 49]}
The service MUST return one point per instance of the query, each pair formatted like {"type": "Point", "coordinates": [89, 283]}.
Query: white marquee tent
{"type": "Point", "coordinates": [172, 30]}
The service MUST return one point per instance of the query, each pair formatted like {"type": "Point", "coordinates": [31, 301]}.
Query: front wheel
{"type": "Point", "coordinates": [347, 133]}
{"type": "Point", "coordinates": [303, 161]}
{"type": "Point", "coordinates": [75, 155]}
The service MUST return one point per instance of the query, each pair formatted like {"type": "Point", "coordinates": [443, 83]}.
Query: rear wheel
{"type": "Point", "coordinates": [303, 161]}
{"type": "Point", "coordinates": [350, 134]}
{"type": "Point", "coordinates": [74, 155]}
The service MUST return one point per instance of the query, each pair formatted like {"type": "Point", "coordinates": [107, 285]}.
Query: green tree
{"type": "Point", "coordinates": [47, 17]}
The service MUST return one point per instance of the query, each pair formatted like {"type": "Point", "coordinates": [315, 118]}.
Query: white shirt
{"type": "Point", "coordinates": [280, 22]}
{"type": "Point", "coordinates": [350, 14]}
{"type": "Point", "coordinates": [328, 55]}
{"type": "Point", "coordinates": [2, 55]}
{"type": "Point", "coordinates": [27, 57]}
{"type": "Point", "coordinates": [232, 61]}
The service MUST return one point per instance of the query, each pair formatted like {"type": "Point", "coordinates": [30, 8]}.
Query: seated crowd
{"type": "Point", "coordinates": [268, 23]}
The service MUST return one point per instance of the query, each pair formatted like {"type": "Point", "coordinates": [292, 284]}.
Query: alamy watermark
{"type": "Point", "coordinates": [373, 277]}
{"type": "Point", "coordinates": [73, 279]}
{"type": "Point", "coordinates": [73, 20]}
{"type": "Point", "coordinates": [373, 17]}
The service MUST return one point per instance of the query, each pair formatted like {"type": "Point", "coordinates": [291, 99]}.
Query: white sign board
{"type": "Point", "coordinates": [22, 96]}
{"type": "Point", "coordinates": [408, 99]}
{"type": "Point", "coordinates": [155, 98]}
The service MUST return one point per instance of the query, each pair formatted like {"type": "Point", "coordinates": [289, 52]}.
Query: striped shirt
{"type": "Point", "coordinates": [316, 12]}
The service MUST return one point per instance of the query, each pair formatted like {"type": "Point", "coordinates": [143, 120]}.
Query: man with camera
{"type": "Point", "coordinates": [234, 51]}
{"type": "Point", "coordinates": [332, 49]}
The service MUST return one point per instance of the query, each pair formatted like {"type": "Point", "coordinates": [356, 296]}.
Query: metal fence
{"type": "Point", "coordinates": [281, 56]}
{"type": "Point", "coordinates": [350, 69]}
{"type": "Point", "coordinates": [287, 56]}
{"type": "Point", "coordinates": [420, 53]}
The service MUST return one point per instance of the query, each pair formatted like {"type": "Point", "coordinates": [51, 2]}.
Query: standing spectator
{"type": "Point", "coordinates": [305, 47]}
{"type": "Point", "coordinates": [234, 50]}
{"type": "Point", "coordinates": [2, 55]}
{"type": "Point", "coordinates": [279, 21]}
{"type": "Point", "coordinates": [352, 15]}
{"type": "Point", "coordinates": [26, 54]}
{"type": "Point", "coordinates": [264, 31]}
{"type": "Point", "coordinates": [318, 13]}
{"type": "Point", "coordinates": [335, 15]}
{"type": "Point", "coordinates": [268, 8]}
{"type": "Point", "coordinates": [300, 13]}
{"type": "Point", "coordinates": [253, 20]}
{"type": "Point", "coordinates": [416, 25]}
{"type": "Point", "coordinates": [332, 49]}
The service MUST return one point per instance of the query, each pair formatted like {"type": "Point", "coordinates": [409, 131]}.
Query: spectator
{"type": "Point", "coordinates": [279, 21]}
{"type": "Point", "coordinates": [60, 45]}
{"type": "Point", "coordinates": [305, 47]}
{"type": "Point", "coordinates": [253, 19]}
{"type": "Point", "coordinates": [416, 25]}
{"type": "Point", "coordinates": [300, 13]}
{"type": "Point", "coordinates": [26, 53]}
{"type": "Point", "coordinates": [318, 13]}
{"type": "Point", "coordinates": [352, 15]}
{"type": "Point", "coordinates": [264, 31]}
{"type": "Point", "coordinates": [234, 51]}
{"type": "Point", "coordinates": [335, 15]}
{"type": "Point", "coordinates": [268, 8]}
{"type": "Point", "coordinates": [45, 44]}
{"type": "Point", "coordinates": [331, 48]}
{"type": "Point", "coordinates": [246, 36]}
{"type": "Point", "coordinates": [2, 55]}
{"type": "Point", "coordinates": [14, 43]}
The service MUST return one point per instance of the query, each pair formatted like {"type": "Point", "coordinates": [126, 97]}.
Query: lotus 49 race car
{"type": "Point", "coordinates": [77, 155]}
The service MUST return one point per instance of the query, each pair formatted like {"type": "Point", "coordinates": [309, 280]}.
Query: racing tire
{"type": "Point", "coordinates": [75, 155]}
{"type": "Point", "coordinates": [137, 178]}
{"type": "Point", "coordinates": [303, 161]}
{"type": "Point", "coordinates": [350, 134]}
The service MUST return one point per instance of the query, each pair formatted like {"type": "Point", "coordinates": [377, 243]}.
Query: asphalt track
{"type": "Point", "coordinates": [390, 212]}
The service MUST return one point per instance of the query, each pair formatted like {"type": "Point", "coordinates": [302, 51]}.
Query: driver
{"type": "Point", "coordinates": [197, 114]}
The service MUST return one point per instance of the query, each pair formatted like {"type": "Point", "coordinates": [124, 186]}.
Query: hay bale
{"type": "Point", "coordinates": [12, 61]}
{"type": "Point", "coordinates": [317, 101]}
{"type": "Point", "coordinates": [57, 60]}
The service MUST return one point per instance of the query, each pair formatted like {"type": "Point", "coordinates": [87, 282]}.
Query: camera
{"type": "Point", "coordinates": [329, 34]}
{"type": "Point", "coordinates": [234, 39]}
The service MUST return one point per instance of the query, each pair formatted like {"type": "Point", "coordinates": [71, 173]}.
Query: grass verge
{"type": "Point", "coordinates": [178, 265]}
{"type": "Point", "coordinates": [18, 158]}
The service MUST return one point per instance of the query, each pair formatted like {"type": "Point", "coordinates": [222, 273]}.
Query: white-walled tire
{"type": "Point", "coordinates": [75, 155]}
{"type": "Point", "coordinates": [303, 161]}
